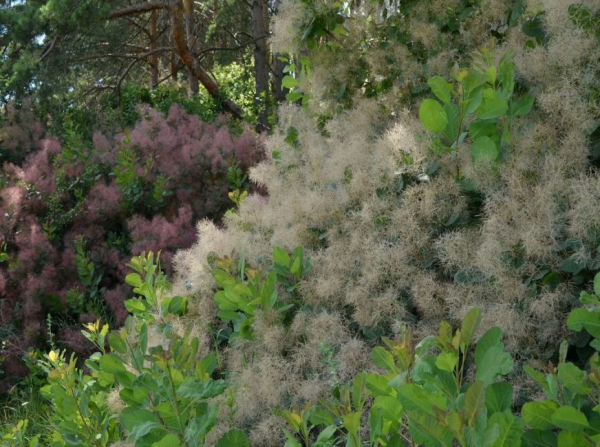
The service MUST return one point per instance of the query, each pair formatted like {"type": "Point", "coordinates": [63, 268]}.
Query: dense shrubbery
{"type": "Point", "coordinates": [478, 221]}
{"type": "Point", "coordinates": [72, 215]}
{"type": "Point", "coordinates": [153, 389]}
{"type": "Point", "coordinates": [496, 208]}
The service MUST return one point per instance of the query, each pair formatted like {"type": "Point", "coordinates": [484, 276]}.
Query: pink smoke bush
{"type": "Point", "coordinates": [41, 272]}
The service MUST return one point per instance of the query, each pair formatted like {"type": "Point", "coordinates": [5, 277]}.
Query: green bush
{"type": "Point", "coordinates": [236, 82]}
{"type": "Point", "coordinates": [246, 290]}
{"type": "Point", "coordinates": [164, 390]}
{"type": "Point", "coordinates": [426, 397]}
{"type": "Point", "coordinates": [480, 106]}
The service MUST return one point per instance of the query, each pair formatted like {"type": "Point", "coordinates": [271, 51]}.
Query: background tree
{"type": "Point", "coordinates": [76, 54]}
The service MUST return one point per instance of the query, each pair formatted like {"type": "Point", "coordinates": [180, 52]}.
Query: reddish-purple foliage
{"type": "Point", "coordinates": [38, 170]}
{"type": "Point", "coordinates": [74, 341]}
{"type": "Point", "coordinates": [160, 234]}
{"type": "Point", "coordinates": [115, 298]}
{"type": "Point", "coordinates": [20, 133]}
{"type": "Point", "coordinates": [194, 156]}
{"type": "Point", "coordinates": [102, 203]}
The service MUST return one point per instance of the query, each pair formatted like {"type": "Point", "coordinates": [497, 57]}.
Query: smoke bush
{"type": "Point", "coordinates": [403, 234]}
{"type": "Point", "coordinates": [129, 193]}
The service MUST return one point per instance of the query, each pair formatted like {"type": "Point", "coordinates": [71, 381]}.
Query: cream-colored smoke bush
{"type": "Point", "coordinates": [388, 259]}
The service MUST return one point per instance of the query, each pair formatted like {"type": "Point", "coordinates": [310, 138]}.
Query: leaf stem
{"type": "Point", "coordinates": [175, 404]}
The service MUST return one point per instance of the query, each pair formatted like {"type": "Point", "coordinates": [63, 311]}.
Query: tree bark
{"type": "Point", "coordinates": [174, 68]}
{"type": "Point", "coordinates": [178, 33]}
{"type": "Point", "coordinates": [153, 60]}
{"type": "Point", "coordinates": [188, 6]}
{"type": "Point", "coordinates": [261, 65]}
{"type": "Point", "coordinates": [179, 39]}
{"type": "Point", "coordinates": [277, 66]}
{"type": "Point", "coordinates": [138, 9]}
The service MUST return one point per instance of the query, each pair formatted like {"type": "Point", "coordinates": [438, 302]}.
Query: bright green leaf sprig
{"type": "Point", "coordinates": [588, 317]}
{"type": "Point", "coordinates": [80, 415]}
{"type": "Point", "coordinates": [4, 256]}
{"type": "Point", "coordinates": [246, 290]}
{"type": "Point", "coordinates": [152, 285]}
{"type": "Point", "coordinates": [164, 385]}
{"type": "Point", "coordinates": [572, 394]}
{"type": "Point", "coordinates": [290, 80]}
{"type": "Point", "coordinates": [479, 104]}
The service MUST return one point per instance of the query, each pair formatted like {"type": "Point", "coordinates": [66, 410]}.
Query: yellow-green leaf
{"type": "Point", "coordinates": [432, 116]}
{"type": "Point", "coordinates": [569, 418]}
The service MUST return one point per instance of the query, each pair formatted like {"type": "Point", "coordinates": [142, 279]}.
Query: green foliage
{"type": "Point", "coordinates": [571, 393]}
{"type": "Point", "coordinates": [479, 105]}
{"type": "Point", "coordinates": [585, 19]}
{"type": "Point", "coordinates": [4, 256]}
{"type": "Point", "coordinates": [139, 194]}
{"type": "Point", "coordinates": [294, 69]}
{"type": "Point", "coordinates": [322, 23]}
{"type": "Point", "coordinates": [588, 317]}
{"type": "Point", "coordinates": [238, 184]}
{"type": "Point", "coordinates": [17, 435]}
{"type": "Point", "coordinates": [80, 416]}
{"type": "Point", "coordinates": [25, 413]}
{"type": "Point", "coordinates": [149, 281]}
{"type": "Point", "coordinates": [246, 290]}
{"type": "Point", "coordinates": [91, 278]}
{"type": "Point", "coordinates": [235, 80]}
{"type": "Point", "coordinates": [422, 396]}
{"type": "Point", "coordinates": [68, 199]}
{"type": "Point", "coordinates": [165, 388]}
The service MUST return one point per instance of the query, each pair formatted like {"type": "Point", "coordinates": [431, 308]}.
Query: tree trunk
{"type": "Point", "coordinates": [277, 66]}
{"type": "Point", "coordinates": [153, 46]}
{"type": "Point", "coordinates": [179, 39]}
{"type": "Point", "coordinates": [189, 31]}
{"type": "Point", "coordinates": [261, 65]}
{"type": "Point", "coordinates": [173, 68]}
{"type": "Point", "coordinates": [178, 33]}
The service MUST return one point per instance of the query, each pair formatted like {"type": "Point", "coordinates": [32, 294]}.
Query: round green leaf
{"type": "Point", "coordinates": [521, 106]}
{"type": "Point", "coordinates": [492, 106]}
{"type": "Point", "coordinates": [505, 428]}
{"type": "Point", "coordinates": [583, 318]}
{"type": "Point", "coordinates": [111, 364]}
{"type": "Point", "coordinates": [442, 89]}
{"type": "Point", "coordinates": [116, 343]}
{"type": "Point", "coordinates": [234, 438]}
{"type": "Point", "coordinates": [484, 148]}
{"type": "Point", "coordinates": [569, 418]}
{"type": "Point", "coordinates": [447, 361]}
{"type": "Point", "coordinates": [170, 440]}
{"type": "Point", "coordinates": [498, 397]}
{"type": "Point", "coordinates": [289, 82]}
{"type": "Point", "coordinates": [573, 378]}
{"type": "Point", "coordinates": [482, 128]}
{"type": "Point", "coordinates": [538, 415]}
{"type": "Point", "coordinates": [432, 116]}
